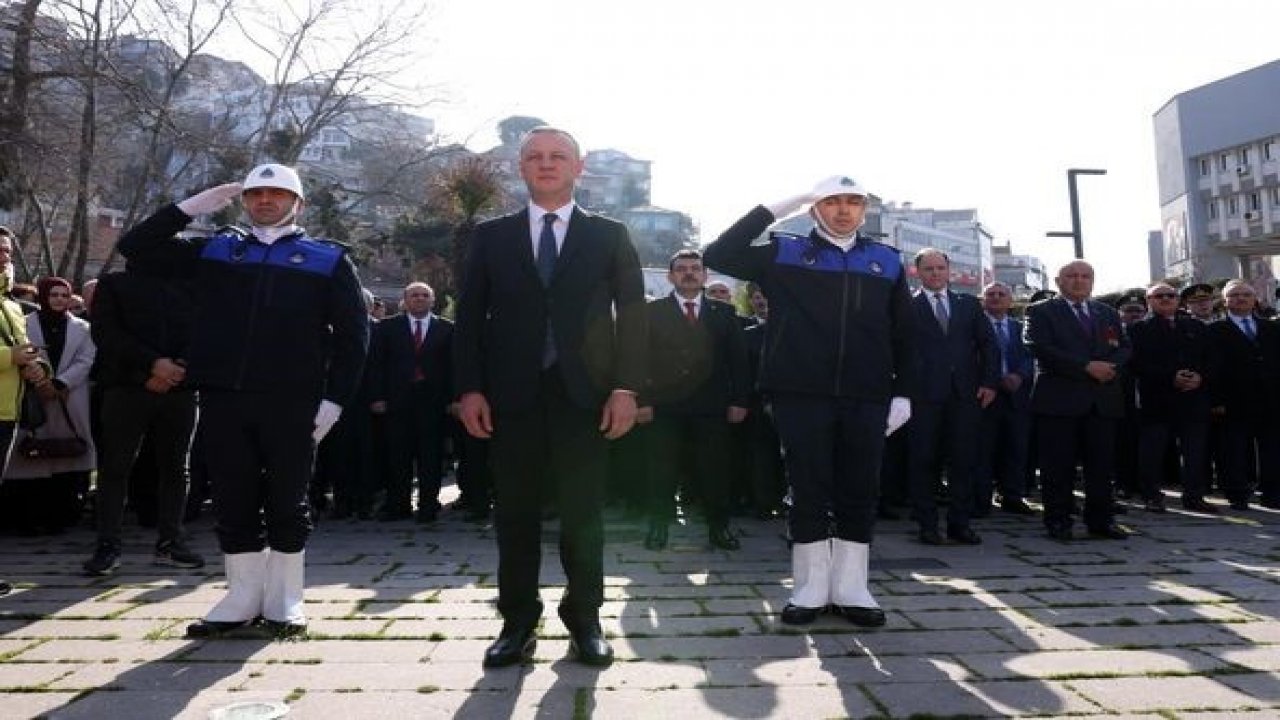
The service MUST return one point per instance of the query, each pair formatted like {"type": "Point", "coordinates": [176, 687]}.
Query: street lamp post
{"type": "Point", "coordinates": [1074, 196]}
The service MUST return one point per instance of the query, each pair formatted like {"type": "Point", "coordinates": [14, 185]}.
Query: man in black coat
{"type": "Point", "coordinates": [1172, 366]}
{"type": "Point", "coordinates": [1246, 396]}
{"type": "Point", "coordinates": [957, 368]}
{"type": "Point", "coordinates": [549, 354]}
{"type": "Point", "coordinates": [1080, 349]}
{"type": "Point", "coordinates": [411, 385]}
{"type": "Point", "coordinates": [697, 389]}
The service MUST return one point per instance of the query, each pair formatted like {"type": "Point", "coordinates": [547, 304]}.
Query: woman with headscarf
{"type": "Point", "coordinates": [54, 485]}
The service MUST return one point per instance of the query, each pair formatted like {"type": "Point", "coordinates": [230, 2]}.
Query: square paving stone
{"type": "Point", "coordinates": [1168, 693]}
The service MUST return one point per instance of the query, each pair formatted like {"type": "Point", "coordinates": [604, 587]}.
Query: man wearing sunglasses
{"type": "Point", "coordinates": [1171, 363]}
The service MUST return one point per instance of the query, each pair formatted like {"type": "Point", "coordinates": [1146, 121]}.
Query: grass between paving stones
{"type": "Point", "coordinates": [582, 704]}
{"type": "Point", "coordinates": [428, 689]}
{"type": "Point", "coordinates": [295, 695]}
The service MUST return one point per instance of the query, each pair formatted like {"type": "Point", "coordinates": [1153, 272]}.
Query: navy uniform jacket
{"type": "Point", "coordinates": [840, 322]}
{"type": "Point", "coordinates": [284, 319]}
{"type": "Point", "coordinates": [1062, 348]}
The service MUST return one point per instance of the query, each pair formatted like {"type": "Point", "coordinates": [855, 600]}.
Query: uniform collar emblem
{"type": "Point", "coordinates": [297, 258]}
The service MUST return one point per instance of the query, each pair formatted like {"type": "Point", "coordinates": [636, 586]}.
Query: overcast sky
{"type": "Point", "coordinates": [947, 104]}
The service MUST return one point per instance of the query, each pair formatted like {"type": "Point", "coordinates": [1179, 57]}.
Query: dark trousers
{"type": "Point", "coordinates": [1128, 476]}
{"type": "Point", "coordinates": [695, 450]}
{"type": "Point", "coordinates": [345, 462]}
{"type": "Point", "coordinates": [133, 414]}
{"type": "Point", "coordinates": [832, 449]}
{"type": "Point", "coordinates": [259, 454]}
{"type": "Point", "coordinates": [553, 450]}
{"type": "Point", "coordinates": [475, 481]}
{"type": "Point", "coordinates": [415, 440]}
{"type": "Point", "coordinates": [1253, 459]}
{"type": "Point", "coordinates": [1002, 451]}
{"type": "Point", "coordinates": [1192, 442]}
{"type": "Point", "coordinates": [764, 464]}
{"type": "Point", "coordinates": [1063, 442]}
{"type": "Point", "coordinates": [943, 430]}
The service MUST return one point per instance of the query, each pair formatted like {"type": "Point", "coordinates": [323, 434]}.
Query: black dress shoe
{"type": "Point", "coordinates": [1111, 531]}
{"type": "Point", "coordinates": [1154, 505]}
{"type": "Point", "coordinates": [930, 536]}
{"type": "Point", "coordinates": [588, 646]}
{"type": "Point", "coordinates": [657, 537]}
{"type": "Point", "coordinates": [394, 515]}
{"type": "Point", "coordinates": [796, 615]}
{"type": "Point", "coordinates": [1199, 505]}
{"type": "Point", "coordinates": [1239, 504]}
{"type": "Point", "coordinates": [283, 630]}
{"type": "Point", "coordinates": [964, 536]}
{"type": "Point", "coordinates": [861, 616]}
{"type": "Point", "coordinates": [1017, 507]}
{"type": "Point", "coordinates": [1118, 509]}
{"type": "Point", "coordinates": [204, 629]}
{"type": "Point", "coordinates": [515, 644]}
{"type": "Point", "coordinates": [721, 537]}
{"type": "Point", "coordinates": [426, 517]}
{"type": "Point", "coordinates": [1059, 532]}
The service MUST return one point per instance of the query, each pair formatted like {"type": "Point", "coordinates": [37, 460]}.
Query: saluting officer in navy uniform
{"type": "Point", "coordinates": [277, 345]}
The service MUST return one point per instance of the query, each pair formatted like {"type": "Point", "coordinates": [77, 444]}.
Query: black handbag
{"type": "Point", "coordinates": [31, 412]}
{"type": "Point", "coordinates": [38, 448]}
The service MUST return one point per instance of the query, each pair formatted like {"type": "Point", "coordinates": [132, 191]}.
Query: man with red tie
{"type": "Point", "coordinates": [410, 377]}
{"type": "Point", "coordinates": [697, 391]}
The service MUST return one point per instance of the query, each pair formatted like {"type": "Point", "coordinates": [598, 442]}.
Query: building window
{"type": "Point", "coordinates": [1211, 208]}
{"type": "Point", "coordinates": [1255, 201]}
{"type": "Point", "coordinates": [1243, 156]}
{"type": "Point", "coordinates": [1205, 167]}
{"type": "Point", "coordinates": [1233, 206]}
{"type": "Point", "coordinates": [1275, 198]}
{"type": "Point", "coordinates": [1224, 160]}
{"type": "Point", "coordinates": [1269, 150]}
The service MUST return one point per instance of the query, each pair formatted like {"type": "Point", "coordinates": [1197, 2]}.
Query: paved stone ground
{"type": "Point", "coordinates": [1180, 621]}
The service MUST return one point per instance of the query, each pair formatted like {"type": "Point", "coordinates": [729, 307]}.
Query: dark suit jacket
{"type": "Point", "coordinates": [392, 361]}
{"type": "Point", "coordinates": [1249, 381]}
{"type": "Point", "coordinates": [1062, 348]}
{"type": "Point", "coordinates": [695, 369]}
{"type": "Point", "coordinates": [1159, 352]}
{"type": "Point", "coordinates": [954, 364]}
{"type": "Point", "coordinates": [503, 313]}
{"type": "Point", "coordinates": [1019, 362]}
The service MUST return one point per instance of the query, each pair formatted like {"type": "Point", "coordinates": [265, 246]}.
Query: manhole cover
{"type": "Point", "coordinates": [251, 711]}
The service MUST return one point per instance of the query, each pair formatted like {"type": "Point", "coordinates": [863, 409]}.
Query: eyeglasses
{"type": "Point", "coordinates": [1163, 296]}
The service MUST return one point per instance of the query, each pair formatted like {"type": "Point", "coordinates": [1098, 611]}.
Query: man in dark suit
{"type": "Point", "coordinates": [549, 354]}
{"type": "Point", "coordinates": [411, 381]}
{"type": "Point", "coordinates": [697, 390]}
{"type": "Point", "coordinates": [1171, 365]}
{"type": "Point", "coordinates": [1079, 349]}
{"type": "Point", "coordinates": [957, 367]}
{"type": "Point", "coordinates": [1245, 398]}
{"type": "Point", "coordinates": [1006, 422]}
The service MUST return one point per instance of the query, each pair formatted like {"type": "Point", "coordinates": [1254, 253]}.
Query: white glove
{"type": "Point", "coordinates": [211, 200]}
{"type": "Point", "coordinates": [783, 208]}
{"type": "Point", "coordinates": [326, 416]}
{"type": "Point", "coordinates": [899, 414]}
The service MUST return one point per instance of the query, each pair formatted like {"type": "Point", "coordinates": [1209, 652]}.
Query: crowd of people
{"type": "Point", "coordinates": [250, 368]}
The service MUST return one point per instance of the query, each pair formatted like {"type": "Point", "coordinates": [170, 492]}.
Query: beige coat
{"type": "Point", "coordinates": [73, 370]}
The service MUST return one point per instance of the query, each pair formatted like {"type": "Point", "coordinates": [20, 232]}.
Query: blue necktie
{"type": "Point", "coordinates": [546, 266]}
{"type": "Point", "coordinates": [1249, 332]}
{"type": "Point", "coordinates": [1002, 340]}
{"type": "Point", "coordinates": [547, 249]}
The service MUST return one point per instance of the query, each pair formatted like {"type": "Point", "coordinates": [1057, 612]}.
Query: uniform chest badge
{"type": "Point", "coordinates": [876, 268]}
{"type": "Point", "coordinates": [297, 258]}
